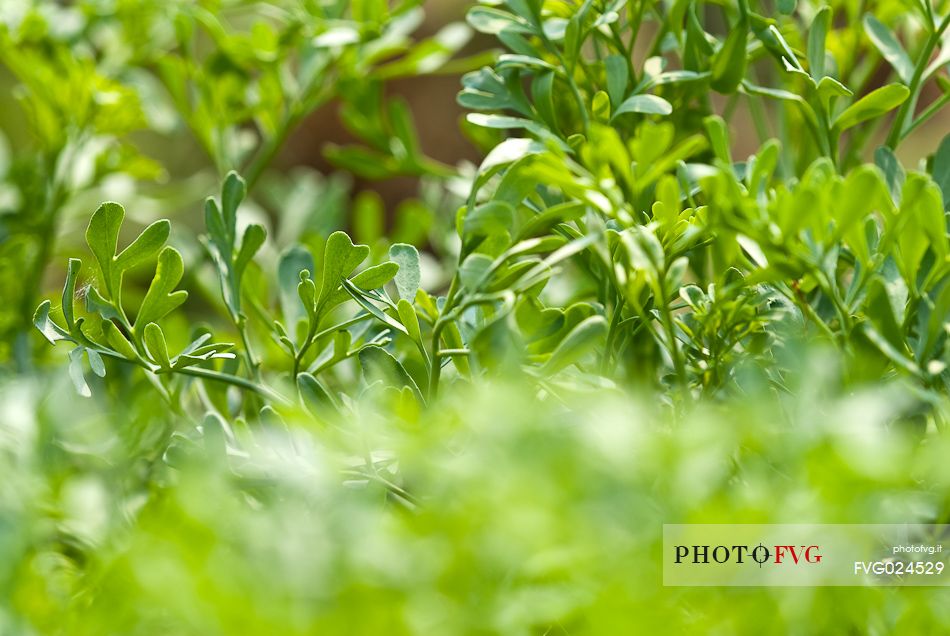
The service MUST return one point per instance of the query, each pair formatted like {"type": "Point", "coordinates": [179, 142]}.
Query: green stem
{"type": "Point", "coordinates": [343, 325]}
{"type": "Point", "coordinates": [436, 367]}
{"type": "Point", "coordinates": [435, 370]}
{"type": "Point", "coordinates": [569, 76]}
{"type": "Point", "coordinates": [809, 311]}
{"type": "Point", "coordinates": [395, 489]}
{"type": "Point", "coordinates": [925, 116]}
{"type": "Point", "coordinates": [233, 380]}
{"type": "Point", "coordinates": [679, 364]}
{"type": "Point", "coordinates": [48, 230]}
{"type": "Point", "coordinates": [627, 53]}
{"type": "Point", "coordinates": [825, 284]}
{"type": "Point", "coordinates": [205, 374]}
{"type": "Point", "coordinates": [252, 361]}
{"type": "Point", "coordinates": [897, 129]}
{"type": "Point", "coordinates": [298, 112]}
{"type": "Point", "coordinates": [265, 157]}
{"type": "Point", "coordinates": [615, 321]}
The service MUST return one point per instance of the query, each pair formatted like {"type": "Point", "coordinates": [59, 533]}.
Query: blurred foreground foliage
{"type": "Point", "coordinates": [488, 513]}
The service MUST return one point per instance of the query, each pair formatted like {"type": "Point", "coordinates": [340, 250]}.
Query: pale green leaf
{"type": "Point", "coordinates": [409, 275]}
{"type": "Point", "coordinates": [161, 297]}
{"type": "Point", "coordinates": [645, 104]}
{"type": "Point", "coordinates": [872, 105]}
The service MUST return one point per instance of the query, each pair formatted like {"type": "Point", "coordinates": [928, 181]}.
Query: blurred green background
{"type": "Point", "coordinates": [511, 515]}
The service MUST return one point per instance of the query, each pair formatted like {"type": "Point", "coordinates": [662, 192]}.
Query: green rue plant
{"type": "Point", "coordinates": [678, 264]}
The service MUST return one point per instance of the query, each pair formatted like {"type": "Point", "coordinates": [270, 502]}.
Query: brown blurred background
{"type": "Point", "coordinates": [431, 100]}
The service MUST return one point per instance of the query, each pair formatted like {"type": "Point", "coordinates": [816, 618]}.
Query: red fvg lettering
{"type": "Point", "coordinates": [808, 553]}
